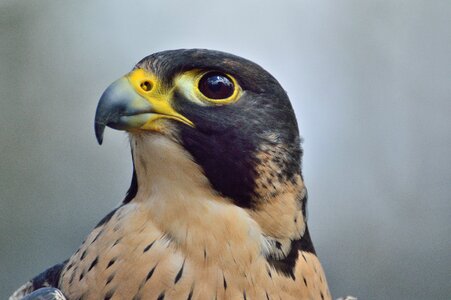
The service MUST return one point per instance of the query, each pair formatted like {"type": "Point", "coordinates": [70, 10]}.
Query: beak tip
{"type": "Point", "coordinates": [99, 129]}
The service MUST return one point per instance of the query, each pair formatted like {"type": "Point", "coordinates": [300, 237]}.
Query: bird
{"type": "Point", "coordinates": [217, 204]}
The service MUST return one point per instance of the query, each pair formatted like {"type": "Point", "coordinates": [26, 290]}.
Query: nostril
{"type": "Point", "coordinates": [146, 85]}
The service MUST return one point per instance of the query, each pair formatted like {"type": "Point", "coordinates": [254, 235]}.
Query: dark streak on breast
{"type": "Point", "coordinates": [110, 278]}
{"type": "Point", "coordinates": [225, 282]}
{"type": "Point", "coordinates": [148, 247]}
{"type": "Point", "coordinates": [111, 262]}
{"type": "Point", "coordinates": [116, 242]}
{"type": "Point", "coordinates": [137, 297]}
{"type": "Point", "coordinates": [72, 276]}
{"type": "Point", "coordinates": [190, 294]}
{"type": "Point", "coordinates": [109, 294]}
{"type": "Point", "coordinates": [269, 273]}
{"type": "Point", "coordinates": [95, 261]}
{"type": "Point", "coordinates": [179, 274]}
{"type": "Point", "coordinates": [150, 273]}
{"type": "Point", "coordinates": [286, 266]}
{"type": "Point", "coordinates": [97, 236]}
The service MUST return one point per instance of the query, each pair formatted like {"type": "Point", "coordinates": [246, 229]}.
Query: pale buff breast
{"type": "Point", "coordinates": [129, 258]}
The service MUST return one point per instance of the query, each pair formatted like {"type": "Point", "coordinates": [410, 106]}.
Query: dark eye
{"type": "Point", "coordinates": [216, 85]}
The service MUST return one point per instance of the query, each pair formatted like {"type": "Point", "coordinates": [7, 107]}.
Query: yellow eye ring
{"type": "Point", "coordinates": [217, 87]}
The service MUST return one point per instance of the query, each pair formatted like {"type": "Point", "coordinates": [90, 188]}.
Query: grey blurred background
{"type": "Point", "coordinates": [370, 82]}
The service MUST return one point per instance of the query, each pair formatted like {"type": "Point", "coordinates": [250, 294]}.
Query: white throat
{"type": "Point", "coordinates": [165, 169]}
{"type": "Point", "coordinates": [180, 200]}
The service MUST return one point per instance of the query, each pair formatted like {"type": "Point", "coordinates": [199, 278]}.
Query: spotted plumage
{"type": "Point", "coordinates": [216, 207]}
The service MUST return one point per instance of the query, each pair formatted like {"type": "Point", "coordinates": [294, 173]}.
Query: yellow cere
{"type": "Point", "coordinates": [188, 84]}
{"type": "Point", "coordinates": [147, 86]}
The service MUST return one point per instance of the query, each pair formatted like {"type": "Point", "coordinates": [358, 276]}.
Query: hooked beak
{"type": "Point", "coordinates": [133, 102]}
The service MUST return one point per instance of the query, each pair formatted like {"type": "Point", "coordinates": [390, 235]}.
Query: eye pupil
{"type": "Point", "coordinates": [216, 86]}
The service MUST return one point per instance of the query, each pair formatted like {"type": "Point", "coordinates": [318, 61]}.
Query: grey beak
{"type": "Point", "coordinates": [120, 107]}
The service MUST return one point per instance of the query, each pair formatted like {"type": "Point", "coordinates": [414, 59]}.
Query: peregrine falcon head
{"type": "Point", "coordinates": [229, 115]}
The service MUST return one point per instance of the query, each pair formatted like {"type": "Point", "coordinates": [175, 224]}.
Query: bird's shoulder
{"type": "Point", "coordinates": [48, 278]}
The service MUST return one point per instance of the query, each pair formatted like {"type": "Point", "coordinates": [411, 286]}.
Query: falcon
{"type": "Point", "coordinates": [217, 203]}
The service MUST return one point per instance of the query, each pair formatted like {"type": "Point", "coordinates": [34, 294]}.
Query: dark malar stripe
{"type": "Point", "coordinates": [133, 189]}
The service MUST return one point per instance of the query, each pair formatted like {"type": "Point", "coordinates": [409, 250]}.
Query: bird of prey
{"type": "Point", "coordinates": [217, 203]}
